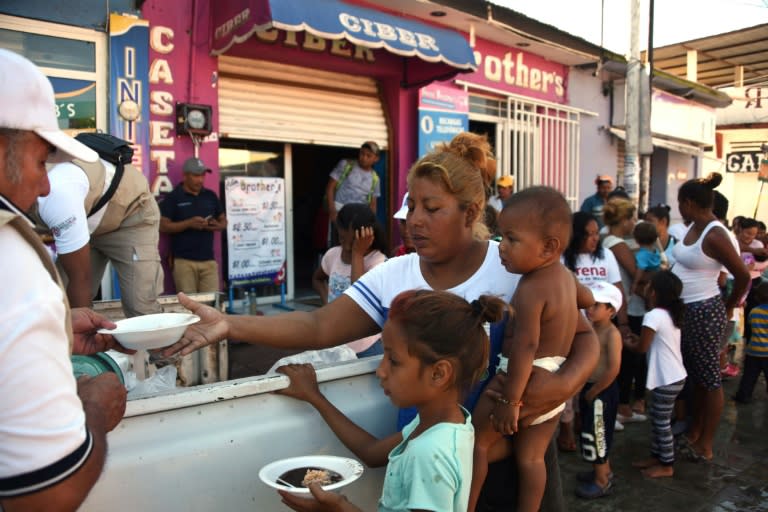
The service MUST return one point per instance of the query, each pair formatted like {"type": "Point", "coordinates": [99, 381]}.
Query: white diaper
{"type": "Point", "coordinates": [551, 364]}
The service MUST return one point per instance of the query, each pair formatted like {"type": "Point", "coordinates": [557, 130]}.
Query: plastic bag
{"type": "Point", "coordinates": [164, 379]}
{"type": "Point", "coordinates": [318, 358]}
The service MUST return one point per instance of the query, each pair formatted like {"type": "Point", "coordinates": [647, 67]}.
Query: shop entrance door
{"type": "Point", "coordinates": [305, 168]}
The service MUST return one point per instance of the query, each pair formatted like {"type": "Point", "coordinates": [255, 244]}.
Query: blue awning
{"type": "Point", "coordinates": [234, 21]}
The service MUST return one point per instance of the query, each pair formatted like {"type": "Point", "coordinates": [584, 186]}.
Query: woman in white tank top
{"type": "Point", "coordinates": [700, 256]}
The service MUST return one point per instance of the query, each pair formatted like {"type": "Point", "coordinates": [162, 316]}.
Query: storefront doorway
{"type": "Point", "coordinates": [305, 168]}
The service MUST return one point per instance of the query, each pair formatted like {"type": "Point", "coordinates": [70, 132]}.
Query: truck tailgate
{"type": "Point", "coordinates": [201, 448]}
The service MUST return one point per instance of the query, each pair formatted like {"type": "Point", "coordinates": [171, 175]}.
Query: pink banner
{"type": "Point", "coordinates": [515, 71]}
{"type": "Point", "coordinates": [437, 96]}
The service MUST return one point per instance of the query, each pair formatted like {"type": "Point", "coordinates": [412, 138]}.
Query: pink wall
{"type": "Point", "coordinates": [173, 55]}
{"type": "Point", "coordinates": [181, 70]}
{"type": "Point", "coordinates": [513, 70]}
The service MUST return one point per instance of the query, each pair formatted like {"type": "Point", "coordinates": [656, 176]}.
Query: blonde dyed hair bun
{"type": "Point", "coordinates": [475, 148]}
{"type": "Point", "coordinates": [617, 210]}
{"type": "Point", "coordinates": [465, 168]}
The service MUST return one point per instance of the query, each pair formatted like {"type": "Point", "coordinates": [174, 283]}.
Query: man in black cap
{"type": "Point", "coordinates": [190, 214]}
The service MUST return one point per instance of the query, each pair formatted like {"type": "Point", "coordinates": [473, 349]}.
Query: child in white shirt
{"type": "Point", "coordinates": [660, 338]}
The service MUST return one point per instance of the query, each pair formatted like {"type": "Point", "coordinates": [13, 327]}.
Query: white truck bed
{"type": "Point", "coordinates": [200, 448]}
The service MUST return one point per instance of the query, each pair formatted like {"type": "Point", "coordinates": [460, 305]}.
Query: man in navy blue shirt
{"type": "Point", "coordinates": [190, 214]}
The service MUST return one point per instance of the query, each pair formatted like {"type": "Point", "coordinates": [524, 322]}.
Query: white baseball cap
{"type": "Point", "coordinates": [606, 293]}
{"type": "Point", "coordinates": [403, 211]}
{"type": "Point", "coordinates": [27, 103]}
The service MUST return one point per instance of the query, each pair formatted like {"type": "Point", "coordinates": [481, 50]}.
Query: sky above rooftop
{"type": "Point", "coordinates": [674, 20]}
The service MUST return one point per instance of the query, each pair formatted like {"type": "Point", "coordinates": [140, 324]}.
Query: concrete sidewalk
{"type": "Point", "coordinates": [736, 480]}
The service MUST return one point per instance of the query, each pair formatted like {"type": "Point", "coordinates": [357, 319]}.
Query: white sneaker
{"type": "Point", "coordinates": [618, 426]}
{"type": "Point", "coordinates": [635, 418]}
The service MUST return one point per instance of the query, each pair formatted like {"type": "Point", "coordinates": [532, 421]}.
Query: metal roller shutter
{"type": "Point", "coordinates": [262, 100]}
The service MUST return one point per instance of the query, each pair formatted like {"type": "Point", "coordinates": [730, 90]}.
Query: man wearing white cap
{"type": "Point", "coordinates": [52, 428]}
{"type": "Point", "coordinates": [400, 215]}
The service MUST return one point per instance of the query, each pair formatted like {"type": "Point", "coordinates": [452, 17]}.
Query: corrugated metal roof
{"type": "Point", "coordinates": [719, 56]}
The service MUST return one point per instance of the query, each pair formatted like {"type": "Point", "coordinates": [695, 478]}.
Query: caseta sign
{"type": "Point", "coordinates": [518, 72]}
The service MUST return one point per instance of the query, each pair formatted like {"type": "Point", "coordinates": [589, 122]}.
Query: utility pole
{"type": "Point", "coordinates": [646, 141]}
{"type": "Point", "coordinates": [638, 118]}
{"type": "Point", "coordinates": [631, 152]}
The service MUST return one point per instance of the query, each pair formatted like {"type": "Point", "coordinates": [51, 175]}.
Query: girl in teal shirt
{"type": "Point", "coordinates": [435, 349]}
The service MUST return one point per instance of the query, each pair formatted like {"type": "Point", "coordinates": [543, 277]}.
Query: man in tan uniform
{"type": "Point", "coordinates": [124, 232]}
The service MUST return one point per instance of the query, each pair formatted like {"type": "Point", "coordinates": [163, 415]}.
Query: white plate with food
{"type": "Point", "coordinates": [151, 331]}
{"type": "Point", "coordinates": [295, 473]}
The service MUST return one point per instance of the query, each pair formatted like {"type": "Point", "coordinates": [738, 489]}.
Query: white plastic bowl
{"type": "Point", "coordinates": [349, 469]}
{"type": "Point", "coordinates": [151, 331]}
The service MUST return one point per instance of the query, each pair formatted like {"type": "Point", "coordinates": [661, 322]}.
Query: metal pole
{"type": "Point", "coordinates": [631, 155]}
{"type": "Point", "coordinates": [761, 175]}
{"type": "Point", "coordinates": [757, 205]}
{"type": "Point", "coordinates": [645, 143]}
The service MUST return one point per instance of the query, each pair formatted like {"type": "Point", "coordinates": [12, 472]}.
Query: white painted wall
{"type": "Point", "coordinates": [741, 189]}
{"type": "Point", "coordinates": [597, 153]}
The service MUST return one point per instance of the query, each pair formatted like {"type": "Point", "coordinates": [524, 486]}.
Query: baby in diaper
{"type": "Point", "coordinates": [535, 227]}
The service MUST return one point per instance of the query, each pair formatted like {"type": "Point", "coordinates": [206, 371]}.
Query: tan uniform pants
{"type": "Point", "coordinates": [191, 276]}
{"type": "Point", "coordinates": [132, 249]}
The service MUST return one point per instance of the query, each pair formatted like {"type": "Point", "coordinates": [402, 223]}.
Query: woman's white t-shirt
{"type": "Point", "coordinates": [665, 361]}
{"type": "Point", "coordinates": [590, 269]}
{"type": "Point", "coordinates": [635, 304]}
{"type": "Point", "coordinates": [376, 289]}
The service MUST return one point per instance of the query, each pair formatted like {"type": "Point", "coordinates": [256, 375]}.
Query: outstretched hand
{"type": "Point", "coordinates": [303, 384]}
{"type": "Point", "coordinates": [321, 501]}
{"type": "Point", "coordinates": [85, 323]}
{"type": "Point", "coordinates": [211, 328]}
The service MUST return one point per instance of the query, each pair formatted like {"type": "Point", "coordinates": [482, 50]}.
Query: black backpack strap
{"type": "Point", "coordinates": [119, 169]}
{"type": "Point", "coordinates": [115, 151]}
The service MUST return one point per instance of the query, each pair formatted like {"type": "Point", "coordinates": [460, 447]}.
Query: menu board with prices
{"type": "Point", "coordinates": [255, 230]}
